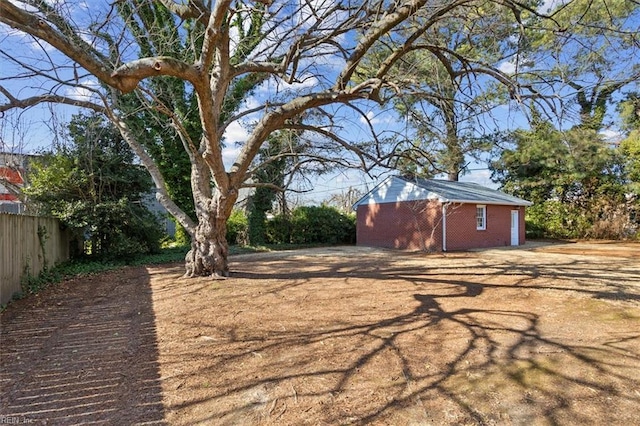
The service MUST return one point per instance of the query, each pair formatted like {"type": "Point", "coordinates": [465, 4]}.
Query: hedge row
{"type": "Point", "coordinates": [305, 225]}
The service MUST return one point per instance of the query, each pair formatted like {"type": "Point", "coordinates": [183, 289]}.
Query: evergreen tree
{"type": "Point", "coordinates": [93, 186]}
{"type": "Point", "coordinates": [574, 178]}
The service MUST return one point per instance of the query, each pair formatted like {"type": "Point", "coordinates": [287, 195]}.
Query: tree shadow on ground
{"type": "Point", "coordinates": [82, 352]}
{"type": "Point", "coordinates": [367, 342]}
{"type": "Point", "coordinates": [602, 280]}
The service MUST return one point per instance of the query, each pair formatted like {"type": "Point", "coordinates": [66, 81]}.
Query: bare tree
{"type": "Point", "coordinates": [309, 54]}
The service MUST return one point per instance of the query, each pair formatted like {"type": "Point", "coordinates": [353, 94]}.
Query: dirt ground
{"type": "Point", "coordinates": [542, 335]}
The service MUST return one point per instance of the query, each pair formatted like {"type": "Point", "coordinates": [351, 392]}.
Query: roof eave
{"type": "Point", "coordinates": [492, 202]}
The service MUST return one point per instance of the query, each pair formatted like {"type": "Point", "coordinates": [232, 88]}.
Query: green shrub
{"type": "Point", "coordinates": [124, 229]}
{"type": "Point", "coordinates": [237, 228]}
{"type": "Point", "coordinates": [181, 237]}
{"type": "Point", "coordinates": [553, 219]}
{"type": "Point", "coordinates": [312, 225]}
{"type": "Point", "coordinates": [278, 230]}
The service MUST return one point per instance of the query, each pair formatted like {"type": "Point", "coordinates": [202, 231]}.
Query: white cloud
{"type": "Point", "coordinates": [235, 132]}
{"type": "Point", "coordinates": [377, 118]}
{"type": "Point", "coordinates": [612, 135]}
{"type": "Point", "coordinates": [15, 41]}
{"type": "Point", "coordinates": [272, 86]}
{"type": "Point", "coordinates": [230, 154]}
{"type": "Point", "coordinates": [548, 6]}
{"type": "Point", "coordinates": [481, 177]}
{"type": "Point", "coordinates": [306, 81]}
{"type": "Point", "coordinates": [324, 186]}
{"type": "Point", "coordinates": [251, 103]}
{"type": "Point", "coordinates": [507, 67]}
{"type": "Point", "coordinates": [10, 32]}
{"type": "Point", "coordinates": [22, 5]}
{"type": "Point", "coordinates": [38, 45]}
{"type": "Point", "coordinates": [276, 90]}
{"type": "Point", "coordinates": [234, 137]}
{"type": "Point", "coordinates": [84, 91]}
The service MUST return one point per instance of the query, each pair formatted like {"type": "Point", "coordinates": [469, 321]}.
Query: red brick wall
{"type": "Point", "coordinates": [417, 225]}
{"type": "Point", "coordinates": [12, 176]}
{"type": "Point", "coordinates": [461, 227]}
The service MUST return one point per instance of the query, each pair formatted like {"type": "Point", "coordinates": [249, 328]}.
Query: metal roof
{"type": "Point", "coordinates": [397, 188]}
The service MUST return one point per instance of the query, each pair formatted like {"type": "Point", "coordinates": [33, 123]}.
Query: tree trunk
{"type": "Point", "coordinates": [209, 247]}
{"type": "Point", "coordinates": [209, 250]}
{"type": "Point", "coordinates": [454, 157]}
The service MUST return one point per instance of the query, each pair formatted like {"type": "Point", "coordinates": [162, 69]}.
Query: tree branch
{"type": "Point", "coordinates": [49, 98]}
{"type": "Point", "coordinates": [195, 9]}
{"type": "Point", "coordinates": [38, 27]}
{"type": "Point", "coordinates": [131, 73]}
{"type": "Point", "coordinates": [215, 27]}
{"type": "Point", "coordinates": [274, 119]}
{"type": "Point", "coordinates": [161, 189]}
{"type": "Point", "coordinates": [382, 27]}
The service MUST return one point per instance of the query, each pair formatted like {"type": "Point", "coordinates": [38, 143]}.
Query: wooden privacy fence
{"type": "Point", "coordinates": [27, 245]}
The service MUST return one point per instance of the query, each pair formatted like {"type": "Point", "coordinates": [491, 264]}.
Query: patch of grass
{"type": "Point", "coordinates": [534, 373]}
{"type": "Point", "coordinates": [246, 249]}
{"type": "Point", "coordinates": [274, 247]}
{"type": "Point", "coordinates": [32, 284]}
{"type": "Point", "coordinates": [168, 254]}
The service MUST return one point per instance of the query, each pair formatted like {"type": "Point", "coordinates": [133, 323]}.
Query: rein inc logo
{"type": "Point", "coordinates": [14, 420]}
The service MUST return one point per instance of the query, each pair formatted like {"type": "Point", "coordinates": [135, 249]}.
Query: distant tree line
{"type": "Point", "coordinates": [582, 185]}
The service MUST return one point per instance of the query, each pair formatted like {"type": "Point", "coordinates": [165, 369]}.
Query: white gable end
{"type": "Point", "coordinates": [394, 190]}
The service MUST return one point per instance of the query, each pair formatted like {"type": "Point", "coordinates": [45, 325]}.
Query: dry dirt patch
{"type": "Point", "coordinates": [542, 335]}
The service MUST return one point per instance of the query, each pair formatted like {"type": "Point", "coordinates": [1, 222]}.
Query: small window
{"type": "Point", "coordinates": [481, 218]}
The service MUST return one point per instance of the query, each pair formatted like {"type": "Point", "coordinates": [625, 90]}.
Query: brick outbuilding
{"type": "Point", "coordinates": [438, 215]}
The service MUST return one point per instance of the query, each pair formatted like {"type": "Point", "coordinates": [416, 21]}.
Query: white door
{"type": "Point", "coordinates": [515, 230]}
